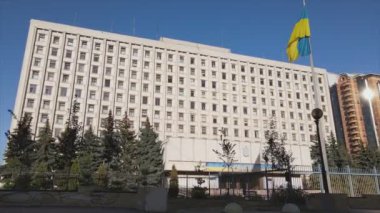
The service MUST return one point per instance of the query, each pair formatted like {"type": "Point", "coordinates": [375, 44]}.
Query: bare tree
{"type": "Point", "coordinates": [227, 155]}
{"type": "Point", "coordinates": [276, 153]}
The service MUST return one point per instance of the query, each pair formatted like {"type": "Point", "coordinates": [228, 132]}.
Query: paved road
{"type": "Point", "coordinates": [122, 210]}
{"type": "Point", "coordinates": [64, 210]}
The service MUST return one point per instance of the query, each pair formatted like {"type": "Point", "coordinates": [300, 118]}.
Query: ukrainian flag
{"type": "Point", "coordinates": [299, 44]}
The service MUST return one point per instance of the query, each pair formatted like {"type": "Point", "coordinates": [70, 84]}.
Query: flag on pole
{"type": "Point", "coordinates": [299, 44]}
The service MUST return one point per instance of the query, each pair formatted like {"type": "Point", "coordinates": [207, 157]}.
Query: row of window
{"type": "Point", "coordinates": [170, 57]}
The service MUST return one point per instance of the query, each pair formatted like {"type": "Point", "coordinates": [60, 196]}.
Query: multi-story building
{"type": "Point", "coordinates": [359, 109]}
{"type": "Point", "coordinates": [187, 90]}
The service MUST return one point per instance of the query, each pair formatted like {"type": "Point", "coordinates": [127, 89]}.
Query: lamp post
{"type": "Point", "coordinates": [317, 114]}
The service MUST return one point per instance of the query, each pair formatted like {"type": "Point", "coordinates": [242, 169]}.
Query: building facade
{"type": "Point", "coordinates": [359, 101]}
{"type": "Point", "coordinates": [187, 90]}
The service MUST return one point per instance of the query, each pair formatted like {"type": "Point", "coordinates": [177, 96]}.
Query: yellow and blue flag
{"type": "Point", "coordinates": [299, 44]}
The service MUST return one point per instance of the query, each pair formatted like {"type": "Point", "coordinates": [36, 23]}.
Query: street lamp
{"type": "Point", "coordinates": [317, 114]}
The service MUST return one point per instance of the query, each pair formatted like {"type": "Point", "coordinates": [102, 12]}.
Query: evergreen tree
{"type": "Point", "coordinates": [101, 176]}
{"type": "Point", "coordinates": [173, 185]}
{"type": "Point", "coordinates": [91, 144]}
{"type": "Point", "coordinates": [336, 155]}
{"type": "Point", "coordinates": [74, 176]}
{"type": "Point", "coordinates": [366, 158]}
{"type": "Point", "coordinates": [149, 161]}
{"type": "Point", "coordinates": [46, 149]}
{"type": "Point", "coordinates": [68, 140]}
{"type": "Point", "coordinates": [129, 155]}
{"type": "Point", "coordinates": [19, 155]}
{"type": "Point", "coordinates": [314, 151]}
{"type": "Point", "coordinates": [20, 143]}
{"type": "Point", "coordinates": [111, 144]}
{"type": "Point", "coordinates": [41, 178]}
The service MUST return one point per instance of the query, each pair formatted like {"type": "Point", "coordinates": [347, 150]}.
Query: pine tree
{"type": "Point", "coordinates": [366, 158]}
{"type": "Point", "coordinates": [19, 155]}
{"type": "Point", "coordinates": [74, 176]}
{"type": "Point", "coordinates": [128, 144]}
{"type": "Point", "coordinates": [173, 185]}
{"type": "Point", "coordinates": [20, 143]}
{"type": "Point", "coordinates": [68, 140]}
{"type": "Point", "coordinates": [149, 161]}
{"type": "Point", "coordinates": [314, 151]}
{"type": "Point", "coordinates": [111, 144]}
{"type": "Point", "coordinates": [41, 178]}
{"type": "Point", "coordinates": [91, 144]}
{"type": "Point", "coordinates": [336, 155]}
{"type": "Point", "coordinates": [46, 148]}
{"type": "Point", "coordinates": [101, 176]}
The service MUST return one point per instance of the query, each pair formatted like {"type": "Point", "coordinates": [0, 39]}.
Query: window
{"type": "Point", "coordinates": [37, 62]}
{"type": "Point", "coordinates": [32, 88]}
{"type": "Point", "coordinates": [61, 105]}
{"type": "Point", "coordinates": [82, 56]}
{"type": "Point", "coordinates": [69, 53]}
{"type": "Point", "coordinates": [45, 104]}
{"type": "Point", "coordinates": [39, 49]}
{"type": "Point", "coordinates": [145, 100]}
{"type": "Point", "coordinates": [83, 44]}
{"type": "Point", "coordinates": [118, 110]}
{"type": "Point", "coordinates": [192, 129]}
{"type": "Point", "coordinates": [157, 101]}
{"type": "Point", "coordinates": [52, 64]}
{"type": "Point", "coordinates": [135, 52]}
{"type": "Point", "coordinates": [104, 109]}
{"type": "Point", "coordinates": [66, 66]}
{"type": "Point", "coordinates": [63, 92]}
{"type": "Point", "coordinates": [97, 46]}
{"type": "Point", "coordinates": [80, 67]}
{"type": "Point", "coordinates": [65, 78]}
{"type": "Point", "coordinates": [59, 119]}
{"type": "Point", "coordinates": [95, 69]}
{"type": "Point", "coordinates": [89, 121]}
{"type": "Point", "coordinates": [55, 40]}
{"type": "Point", "coordinates": [35, 74]}
{"type": "Point", "coordinates": [106, 96]}
{"type": "Point", "coordinates": [44, 118]}
{"type": "Point", "coordinates": [110, 48]}
{"type": "Point", "coordinates": [119, 97]}
{"type": "Point", "coordinates": [48, 90]}
{"type": "Point", "coordinates": [94, 81]}
{"type": "Point", "coordinates": [70, 42]}
{"type": "Point", "coordinates": [107, 82]}
{"type": "Point", "coordinates": [109, 59]}
{"type": "Point", "coordinates": [96, 58]}
{"type": "Point", "coordinates": [92, 94]}
{"type": "Point", "coordinates": [30, 103]}
{"type": "Point", "coordinates": [41, 37]}
{"type": "Point", "coordinates": [203, 83]}
{"type": "Point", "coordinates": [131, 112]}
{"type": "Point", "coordinates": [78, 93]}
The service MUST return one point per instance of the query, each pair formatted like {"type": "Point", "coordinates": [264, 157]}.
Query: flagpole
{"type": "Point", "coordinates": [318, 105]}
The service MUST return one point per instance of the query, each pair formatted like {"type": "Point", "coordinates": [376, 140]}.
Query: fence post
{"type": "Point", "coordinates": [376, 180]}
{"type": "Point", "coordinates": [187, 185]}
{"type": "Point", "coordinates": [320, 179]}
{"type": "Point", "coordinates": [350, 181]}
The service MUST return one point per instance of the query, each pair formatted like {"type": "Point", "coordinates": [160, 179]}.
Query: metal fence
{"type": "Point", "coordinates": [351, 181]}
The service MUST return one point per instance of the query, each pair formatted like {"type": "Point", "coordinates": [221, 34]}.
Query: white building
{"type": "Point", "coordinates": [188, 91]}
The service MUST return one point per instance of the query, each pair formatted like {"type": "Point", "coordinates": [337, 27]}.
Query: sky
{"type": "Point", "coordinates": [345, 33]}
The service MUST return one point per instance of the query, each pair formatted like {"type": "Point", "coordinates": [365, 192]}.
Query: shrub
{"type": "Point", "coordinates": [283, 195]}
{"type": "Point", "coordinates": [173, 185]}
{"type": "Point", "coordinates": [198, 192]}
